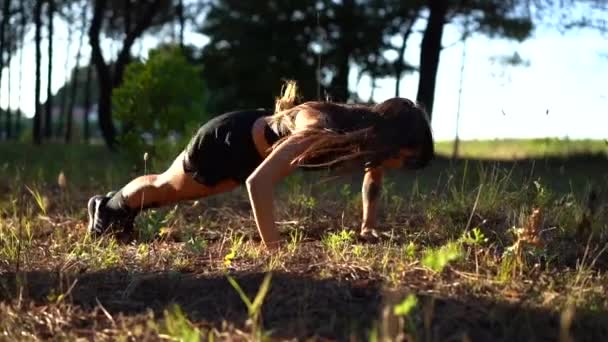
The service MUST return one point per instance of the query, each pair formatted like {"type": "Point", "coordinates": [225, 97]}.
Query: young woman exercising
{"type": "Point", "coordinates": [258, 148]}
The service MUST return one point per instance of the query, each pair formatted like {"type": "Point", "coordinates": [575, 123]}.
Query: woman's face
{"type": "Point", "coordinates": [397, 161]}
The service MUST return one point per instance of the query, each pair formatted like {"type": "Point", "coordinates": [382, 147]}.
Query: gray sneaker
{"type": "Point", "coordinates": [103, 219]}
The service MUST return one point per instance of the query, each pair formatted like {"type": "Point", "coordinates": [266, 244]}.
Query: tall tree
{"type": "Point", "coordinates": [297, 40]}
{"type": "Point", "coordinates": [145, 15]}
{"type": "Point", "coordinates": [3, 38]}
{"type": "Point", "coordinates": [22, 31]}
{"type": "Point", "coordinates": [48, 119]}
{"type": "Point", "coordinates": [81, 92]}
{"type": "Point", "coordinates": [285, 31]}
{"type": "Point", "coordinates": [87, 104]}
{"type": "Point", "coordinates": [355, 34]}
{"type": "Point", "coordinates": [9, 123]}
{"type": "Point", "coordinates": [294, 39]}
{"type": "Point", "coordinates": [501, 18]}
{"type": "Point", "coordinates": [182, 21]}
{"type": "Point", "coordinates": [345, 46]}
{"type": "Point", "coordinates": [70, 111]}
{"type": "Point", "coordinates": [399, 24]}
{"type": "Point", "coordinates": [400, 65]}
{"type": "Point", "coordinates": [63, 98]}
{"type": "Point", "coordinates": [429, 53]}
{"type": "Point", "coordinates": [37, 133]}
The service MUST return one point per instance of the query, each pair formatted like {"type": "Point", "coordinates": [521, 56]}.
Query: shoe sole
{"type": "Point", "coordinates": [93, 209]}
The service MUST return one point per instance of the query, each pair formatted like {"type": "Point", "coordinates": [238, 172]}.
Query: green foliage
{"type": "Point", "coordinates": [196, 244]}
{"type": "Point", "coordinates": [151, 223]}
{"type": "Point", "coordinates": [254, 308]}
{"type": "Point", "coordinates": [404, 311]}
{"type": "Point", "coordinates": [288, 36]}
{"type": "Point", "coordinates": [409, 251]}
{"type": "Point", "coordinates": [236, 248]}
{"type": "Point", "coordinates": [507, 267]}
{"type": "Point", "coordinates": [541, 194]}
{"type": "Point", "coordinates": [161, 98]}
{"type": "Point", "coordinates": [178, 327]}
{"type": "Point", "coordinates": [474, 237]}
{"type": "Point", "coordinates": [14, 242]}
{"type": "Point", "coordinates": [339, 243]}
{"type": "Point", "coordinates": [98, 254]}
{"type": "Point", "coordinates": [38, 198]}
{"type": "Point", "coordinates": [499, 24]}
{"type": "Point", "coordinates": [406, 306]}
{"type": "Point", "coordinates": [438, 259]}
{"type": "Point", "coordinates": [346, 192]}
{"type": "Point", "coordinates": [299, 193]}
{"type": "Point", "coordinates": [295, 238]}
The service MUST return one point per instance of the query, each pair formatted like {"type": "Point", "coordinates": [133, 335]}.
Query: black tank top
{"type": "Point", "coordinates": [223, 148]}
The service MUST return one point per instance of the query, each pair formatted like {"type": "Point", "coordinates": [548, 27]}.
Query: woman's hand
{"type": "Point", "coordinates": [370, 193]}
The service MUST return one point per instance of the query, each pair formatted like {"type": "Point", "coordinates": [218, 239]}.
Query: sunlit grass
{"type": "Point", "coordinates": [522, 148]}
{"type": "Point", "coordinates": [452, 232]}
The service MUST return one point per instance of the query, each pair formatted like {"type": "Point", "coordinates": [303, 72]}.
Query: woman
{"type": "Point", "coordinates": [258, 148]}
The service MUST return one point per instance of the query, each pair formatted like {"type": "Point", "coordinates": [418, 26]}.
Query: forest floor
{"type": "Point", "coordinates": [480, 248]}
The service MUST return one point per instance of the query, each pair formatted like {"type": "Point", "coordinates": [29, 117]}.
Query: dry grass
{"type": "Point", "coordinates": [462, 243]}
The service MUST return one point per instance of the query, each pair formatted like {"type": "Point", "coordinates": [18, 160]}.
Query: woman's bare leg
{"type": "Point", "coordinates": [171, 186]}
{"type": "Point", "coordinates": [174, 185]}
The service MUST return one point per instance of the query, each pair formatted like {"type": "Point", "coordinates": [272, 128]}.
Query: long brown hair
{"type": "Point", "coordinates": [352, 135]}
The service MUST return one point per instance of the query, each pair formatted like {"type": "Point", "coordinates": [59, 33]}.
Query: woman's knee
{"type": "Point", "coordinates": [164, 185]}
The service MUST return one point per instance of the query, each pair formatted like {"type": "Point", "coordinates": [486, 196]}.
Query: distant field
{"type": "Point", "coordinates": [522, 148]}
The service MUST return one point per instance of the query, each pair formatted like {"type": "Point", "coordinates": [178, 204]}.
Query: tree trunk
{"type": "Point", "coordinates": [429, 53]}
{"type": "Point", "coordinates": [70, 110]}
{"type": "Point", "coordinates": [3, 47]}
{"type": "Point", "coordinates": [22, 38]}
{"type": "Point", "coordinates": [36, 133]}
{"type": "Point", "coordinates": [340, 81]}
{"type": "Point", "coordinates": [399, 63]}
{"type": "Point", "coordinates": [8, 114]}
{"type": "Point", "coordinates": [48, 119]}
{"type": "Point", "coordinates": [75, 79]}
{"type": "Point", "coordinates": [373, 91]}
{"type": "Point", "coordinates": [105, 78]}
{"type": "Point", "coordinates": [125, 53]}
{"type": "Point", "coordinates": [182, 22]}
{"type": "Point", "coordinates": [87, 104]}
{"type": "Point", "coordinates": [344, 51]}
{"type": "Point", "coordinates": [127, 4]}
{"type": "Point", "coordinates": [67, 85]}
{"type": "Point", "coordinates": [3, 24]}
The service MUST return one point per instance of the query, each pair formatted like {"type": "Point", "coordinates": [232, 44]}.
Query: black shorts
{"type": "Point", "coordinates": [223, 148]}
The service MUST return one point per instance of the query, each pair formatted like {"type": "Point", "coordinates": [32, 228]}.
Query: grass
{"type": "Point", "coordinates": [520, 149]}
{"type": "Point", "coordinates": [470, 249]}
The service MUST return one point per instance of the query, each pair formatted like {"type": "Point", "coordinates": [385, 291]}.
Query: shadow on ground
{"type": "Point", "coordinates": [300, 306]}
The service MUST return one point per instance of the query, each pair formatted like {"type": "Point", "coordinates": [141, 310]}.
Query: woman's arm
{"type": "Point", "coordinates": [276, 166]}
{"type": "Point", "coordinates": [370, 192]}
{"type": "Point", "coordinates": [260, 185]}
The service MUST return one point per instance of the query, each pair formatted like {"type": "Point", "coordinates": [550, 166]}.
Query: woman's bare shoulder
{"type": "Point", "coordinates": [310, 115]}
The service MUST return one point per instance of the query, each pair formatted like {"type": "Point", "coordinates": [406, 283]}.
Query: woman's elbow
{"type": "Point", "coordinates": [250, 183]}
{"type": "Point", "coordinates": [255, 183]}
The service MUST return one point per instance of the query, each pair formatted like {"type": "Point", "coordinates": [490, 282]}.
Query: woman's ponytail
{"type": "Point", "coordinates": [289, 96]}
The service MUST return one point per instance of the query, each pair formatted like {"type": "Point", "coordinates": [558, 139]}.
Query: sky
{"type": "Point", "coordinates": [561, 92]}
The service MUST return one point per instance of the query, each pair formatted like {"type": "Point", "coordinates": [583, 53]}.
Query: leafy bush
{"type": "Point", "coordinates": [160, 103]}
